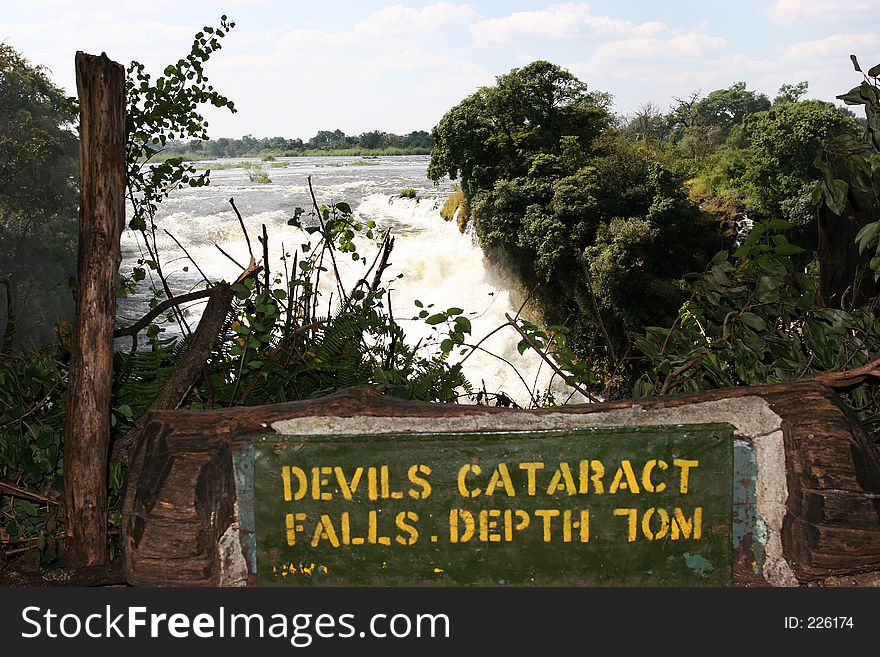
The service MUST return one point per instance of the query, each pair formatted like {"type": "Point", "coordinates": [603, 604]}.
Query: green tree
{"type": "Point", "coordinates": [647, 123]}
{"type": "Point", "coordinates": [703, 124]}
{"type": "Point", "coordinates": [784, 142]}
{"type": "Point", "coordinates": [791, 93]}
{"type": "Point", "coordinates": [495, 132]}
{"type": "Point", "coordinates": [158, 110]}
{"type": "Point", "coordinates": [848, 196]}
{"type": "Point", "coordinates": [38, 200]}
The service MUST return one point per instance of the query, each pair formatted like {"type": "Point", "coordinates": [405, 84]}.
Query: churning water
{"type": "Point", "coordinates": [440, 266]}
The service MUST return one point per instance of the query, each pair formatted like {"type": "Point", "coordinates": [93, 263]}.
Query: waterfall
{"type": "Point", "coordinates": [440, 266]}
{"type": "Point", "coordinates": [742, 227]}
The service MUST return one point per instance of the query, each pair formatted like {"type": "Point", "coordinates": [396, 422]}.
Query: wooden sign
{"type": "Point", "coordinates": [648, 505]}
{"type": "Point", "coordinates": [227, 497]}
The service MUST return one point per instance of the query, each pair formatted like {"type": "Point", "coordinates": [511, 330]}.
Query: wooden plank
{"type": "Point", "coordinates": [821, 532]}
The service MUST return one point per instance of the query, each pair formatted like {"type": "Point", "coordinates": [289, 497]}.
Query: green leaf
{"type": "Point", "coordinates": [753, 321]}
{"type": "Point", "coordinates": [874, 71]}
{"type": "Point", "coordinates": [788, 249]}
{"type": "Point", "coordinates": [852, 97]}
{"type": "Point", "coordinates": [855, 63]}
{"type": "Point", "coordinates": [719, 257]}
{"type": "Point", "coordinates": [437, 318]}
{"type": "Point", "coordinates": [241, 291]}
{"type": "Point", "coordinates": [835, 196]}
{"type": "Point", "coordinates": [720, 277]}
{"type": "Point", "coordinates": [867, 236]}
{"type": "Point", "coordinates": [344, 207]}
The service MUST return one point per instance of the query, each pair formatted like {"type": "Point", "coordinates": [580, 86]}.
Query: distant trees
{"type": "Point", "coordinates": [702, 124]}
{"type": "Point", "coordinates": [39, 157]}
{"type": "Point", "coordinates": [330, 141]}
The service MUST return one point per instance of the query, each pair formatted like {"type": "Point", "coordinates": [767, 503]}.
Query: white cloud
{"type": "Point", "coordinates": [399, 21]}
{"type": "Point", "coordinates": [672, 48]}
{"type": "Point", "coordinates": [823, 12]}
{"type": "Point", "coordinates": [838, 47]}
{"type": "Point", "coordinates": [293, 69]}
{"type": "Point", "coordinates": [558, 22]}
{"type": "Point", "coordinates": [397, 70]}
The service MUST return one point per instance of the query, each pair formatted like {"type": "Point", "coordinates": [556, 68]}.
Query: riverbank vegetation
{"type": "Point", "coordinates": [325, 142]}
{"type": "Point", "coordinates": [603, 221]}
{"type": "Point", "coordinates": [727, 241]}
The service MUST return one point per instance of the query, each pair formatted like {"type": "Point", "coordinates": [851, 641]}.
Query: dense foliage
{"type": "Point", "coordinates": [602, 220]}
{"type": "Point", "coordinates": [774, 311]}
{"type": "Point", "coordinates": [39, 160]}
{"type": "Point", "coordinates": [598, 227]}
{"type": "Point", "coordinates": [288, 335]}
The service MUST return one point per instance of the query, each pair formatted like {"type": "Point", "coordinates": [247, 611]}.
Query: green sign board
{"type": "Point", "coordinates": [643, 506]}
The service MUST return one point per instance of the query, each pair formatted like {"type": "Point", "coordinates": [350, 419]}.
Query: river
{"type": "Point", "coordinates": [440, 265]}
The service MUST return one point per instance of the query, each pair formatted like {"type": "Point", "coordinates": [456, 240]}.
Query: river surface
{"type": "Point", "coordinates": [440, 265]}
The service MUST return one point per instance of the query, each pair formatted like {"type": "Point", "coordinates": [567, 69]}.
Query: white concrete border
{"type": "Point", "coordinates": [751, 417]}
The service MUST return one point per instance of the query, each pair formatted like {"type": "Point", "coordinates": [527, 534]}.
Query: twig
{"type": "Point", "coordinates": [482, 340]}
{"type": "Point", "coordinates": [565, 377]}
{"type": "Point", "coordinates": [678, 371]}
{"type": "Point", "coordinates": [328, 244]}
{"type": "Point", "coordinates": [849, 378]}
{"type": "Point", "coordinates": [387, 247]}
{"type": "Point", "coordinates": [251, 270]}
{"type": "Point", "coordinates": [512, 366]}
{"type": "Point", "coordinates": [18, 491]}
{"type": "Point", "coordinates": [243, 229]}
{"type": "Point", "coordinates": [195, 264]}
{"type": "Point", "coordinates": [266, 256]}
{"type": "Point", "coordinates": [189, 368]}
{"type": "Point", "coordinates": [234, 261]}
{"type": "Point", "coordinates": [525, 301]}
{"type": "Point", "coordinates": [33, 409]}
{"type": "Point", "coordinates": [144, 321]}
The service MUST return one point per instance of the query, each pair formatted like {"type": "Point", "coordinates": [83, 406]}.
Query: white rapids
{"type": "Point", "coordinates": [440, 266]}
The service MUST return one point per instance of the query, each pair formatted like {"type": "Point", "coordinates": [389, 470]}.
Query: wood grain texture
{"type": "Point", "coordinates": [831, 527]}
{"type": "Point", "coordinates": [189, 368]}
{"type": "Point", "coordinates": [100, 84]}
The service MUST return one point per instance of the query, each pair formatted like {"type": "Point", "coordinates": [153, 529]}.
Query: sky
{"type": "Point", "coordinates": [293, 68]}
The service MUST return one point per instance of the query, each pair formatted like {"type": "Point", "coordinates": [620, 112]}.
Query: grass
{"type": "Point", "coordinates": [270, 156]}
{"type": "Point", "coordinates": [216, 166]}
{"type": "Point", "coordinates": [256, 174]}
{"type": "Point", "coordinates": [409, 192]}
{"type": "Point", "coordinates": [456, 202]}
{"type": "Point", "coordinates": [356, 163]}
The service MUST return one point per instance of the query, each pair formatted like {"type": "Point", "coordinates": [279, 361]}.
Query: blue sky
{"type": "Point", "coordinates": [296, 67]}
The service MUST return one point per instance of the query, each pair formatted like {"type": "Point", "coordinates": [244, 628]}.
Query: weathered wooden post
{"type": "Point", "coordinates": [100, 85]}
